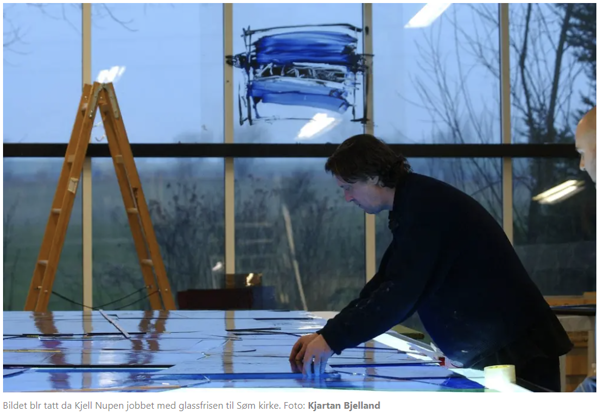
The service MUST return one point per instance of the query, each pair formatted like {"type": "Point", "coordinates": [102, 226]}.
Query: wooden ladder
{"type": "Point", "coordinates": [102, 96]}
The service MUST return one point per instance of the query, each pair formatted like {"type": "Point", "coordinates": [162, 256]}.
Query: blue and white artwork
{"type": "Point", "coordinates": [314, 66]}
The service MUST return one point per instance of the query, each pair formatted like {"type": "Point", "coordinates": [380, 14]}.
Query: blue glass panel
{"type": "Point", "coordinates": [164, 350]}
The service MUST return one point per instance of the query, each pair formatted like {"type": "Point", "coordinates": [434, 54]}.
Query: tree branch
{"type": "Point", "coordinates": [557, 70]}
{"type": "Point", "coordinates": [522, 67]}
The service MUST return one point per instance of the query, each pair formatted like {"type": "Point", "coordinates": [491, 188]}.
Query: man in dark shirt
{"type": "Point", "coordinates": [451, 262]}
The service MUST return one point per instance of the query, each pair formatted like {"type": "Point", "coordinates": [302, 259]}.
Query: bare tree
{"type": "Point", "coordinates": [15, 31]}
{"type": "Point", "coordinates": [448, 101]}
{"type": "Point", "coordinates": [543, 84]}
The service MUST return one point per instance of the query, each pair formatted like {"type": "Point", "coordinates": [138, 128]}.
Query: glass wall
{"type": "Point", "coordinates": [166, 63]}
{"type": "Point", "coordinates": [29, 187]}
{"type": "Point", "coordinates": [552, 79]}
{"type": "Point", "coordinates": [437, 83]}
{"type": "Point", "coordinates": [552, 69]}
{"type": "Point", "coordinates": [287, 212]}
{"type": "Point", "coordinates": [555, 236]}
{"type": "Point", "coordinates": [42, 71]}
{"type": "Point", "coordinates": [185, 199]}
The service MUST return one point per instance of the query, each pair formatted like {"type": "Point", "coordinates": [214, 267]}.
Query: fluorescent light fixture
{"type": "Point", "coordinates": [110, 75]}
{"type": "Point", "coordinates": [319, 123]}
{"type": "Point", "coordinates": [560, 192]}
{"type": "Point", "coordinates": [427, 15]}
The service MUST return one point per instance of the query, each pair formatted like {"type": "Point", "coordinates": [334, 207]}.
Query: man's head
{"type": "Point", "coordinates": [585, 141]}
{"type": "Point", "coordinates": [367, 170]}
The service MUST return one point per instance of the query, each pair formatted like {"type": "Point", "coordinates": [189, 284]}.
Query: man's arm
{"type": "Point", "coordinates": [418, 251]}
{"type": "Point", "coordinates": [370, 287]}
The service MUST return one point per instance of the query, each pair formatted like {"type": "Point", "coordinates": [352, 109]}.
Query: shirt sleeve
{"type": "Point", "coordinates": [416, 255]}
{"type": "Point", "coordinates": [369, 288]}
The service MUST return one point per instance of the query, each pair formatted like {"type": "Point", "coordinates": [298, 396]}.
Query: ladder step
{"type": "Point", "coordinates": [132, 211]}
{"type": "Point", "coordinates": [43, 262]}
{"type": "Point", "coordinates": [56, 210]}
{"type": "Point", "coordinates": [147, 262]}
{"type": "Point", "coordinates": [119, 159]}
{"type": "Point", "coordinates": [72, 187]}
{"type": "Point", "coordinates": [70, 158]}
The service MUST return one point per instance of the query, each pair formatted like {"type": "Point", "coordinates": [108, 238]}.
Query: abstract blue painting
{"type": "Point", "coordinates": [316, 66]}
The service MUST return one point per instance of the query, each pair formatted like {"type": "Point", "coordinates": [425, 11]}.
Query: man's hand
{"type": "Point", "coordinates": [319, 351]}
{"type": "Point", "coordinates": [314, 352]}
{"type": "Point", "coordinates": [300, 347]}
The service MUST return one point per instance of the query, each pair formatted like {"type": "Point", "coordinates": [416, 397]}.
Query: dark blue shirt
{"type": "Point", "coordinates": [451, 262]}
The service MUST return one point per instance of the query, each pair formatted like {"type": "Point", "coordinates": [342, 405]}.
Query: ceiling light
{"type": "Point", "coordinates": [560, 192]}
{"type": "Point", "coordinates": [110, 75]}
{"type": "Point", "coordinates": [427, 15]}
{"type": "Point", "coordinates": [319, 123]}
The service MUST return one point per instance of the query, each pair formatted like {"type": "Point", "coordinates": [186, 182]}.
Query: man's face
{"type": "Point", "coordinates": [586, 146]}
{"type": "Point", "coordinates": [367, 195]}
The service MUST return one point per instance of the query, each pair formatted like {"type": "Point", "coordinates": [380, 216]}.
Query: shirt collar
{"type": "Point", "coordinates": [393, 216]}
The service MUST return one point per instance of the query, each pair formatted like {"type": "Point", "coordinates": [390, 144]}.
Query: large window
{"type": "Point", "coordinates": [298, 76]}
{"type": "Point", "coordinates": [553, 69]}
{"type": "Point", "coordinates": [290, 212]}
{"type": "Point", "coordinates": [29, 187]}
{"type": "Point", "coordinates": [167, 64]}
{"type": "Point", "coordinates": [555, 224]}
{"type": "Point", "coordinates": [436, 83]}
{"type": "Point", "coordinates": [166, 61]}
{"type": "Point", "coordinates": [42, 71]}
{"type": "Point", "coordinates": [553, 83]}
{"type": "Point", "coordinates": [185, 198]}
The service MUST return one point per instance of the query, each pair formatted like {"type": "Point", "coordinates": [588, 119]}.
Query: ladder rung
{"type": "Point", "coordinates": [71, 158]}
{"type": "Point", "coordinates": [43, 262]}
{"type": "Point", "coordinates": [56, 210]}
{"type": "Point", "coordinates": [132, 211]}
{"type": "Point", "coordinates": [119, 159]}
{"type": "Point", "coordinates": [147, 262]}
{"type": "Point", "coordinates": [72, 187]}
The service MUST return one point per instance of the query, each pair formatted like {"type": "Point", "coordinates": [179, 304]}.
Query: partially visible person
{"type": "Point", "coordinates": [585, 141]}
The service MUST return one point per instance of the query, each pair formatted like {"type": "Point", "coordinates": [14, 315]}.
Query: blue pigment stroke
{"type": "Point", "coordinates": [307, 100]}
{"type": "Point", "coordinates": [320, 47]}
{"type": "Point", "coordinates": [284, 92]}
{"type": "Point", "coordinates": [282, 85]}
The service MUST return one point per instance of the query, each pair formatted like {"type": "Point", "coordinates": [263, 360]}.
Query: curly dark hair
{"type": "Point", "coordinates": [364, 156]}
